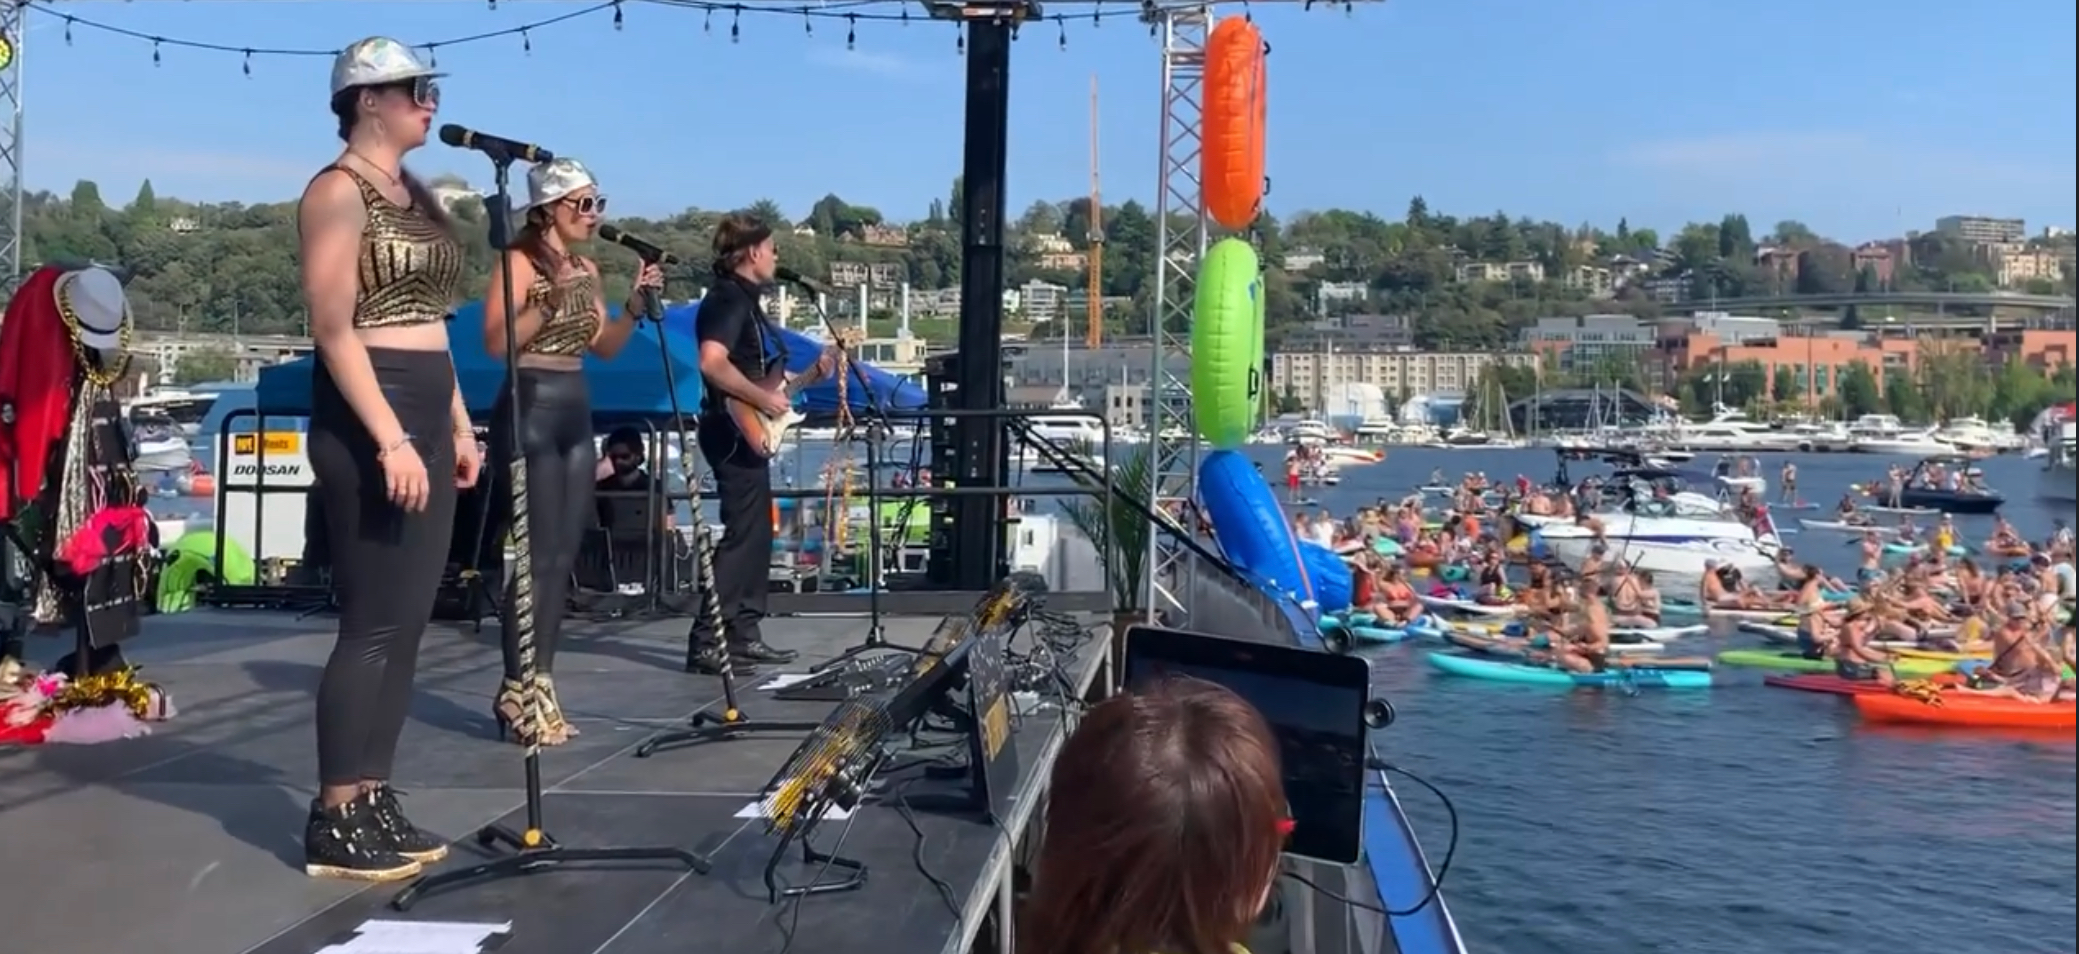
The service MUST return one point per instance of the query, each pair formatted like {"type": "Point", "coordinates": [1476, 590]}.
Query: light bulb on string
{"type": "Point", "coordinates": [155, 51]}
{"type": "Point", "coordinates": [1063, 27]}
{"type": "Point", "coordinates": [247, 66]}
{"type": "Point", "coordinates": [707, 21]}
{"type": "Point", "coordinates": [433, 55]}
{"type": "Point", "coordinates": [851, 32]}
{"type": "Point", "coordinates": [68, 31]}
{"type": "Point", "coordinates": [526, 42]}
{"type": "Point", "coordinates": [617, 15]}
{"type": "Point", "coordinates": [808, 25]}
{"type": "Point", "coordinates": [736, 25]}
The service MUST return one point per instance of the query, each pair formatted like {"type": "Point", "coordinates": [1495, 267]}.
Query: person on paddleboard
{"type": "Point", "coordinates": [1585, 646]}
{"type": "Point", "coordinates": [1854, 660]}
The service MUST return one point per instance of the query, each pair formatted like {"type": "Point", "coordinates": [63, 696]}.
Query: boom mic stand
{"type": "Point", "coordinates": [532, 850]}
{"type": "Point", "coordinates": [878, 429]}
{"type": "Point", "coordinates": [705, 726]}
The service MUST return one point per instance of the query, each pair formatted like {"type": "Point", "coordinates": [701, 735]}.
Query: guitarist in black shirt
{"type": "Point", "coordinates": [742, 358]}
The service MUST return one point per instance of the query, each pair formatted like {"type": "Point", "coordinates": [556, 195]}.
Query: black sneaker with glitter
{"type": "Point", "coordinates": [400, 834]}
{"type": "Point", "coordinates": [344, 842]}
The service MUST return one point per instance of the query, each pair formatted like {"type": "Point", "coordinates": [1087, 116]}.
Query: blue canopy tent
{"type": "Point", "coordinates": [887, 391]}
{"type": "Point", "coordinates": [629, 386]}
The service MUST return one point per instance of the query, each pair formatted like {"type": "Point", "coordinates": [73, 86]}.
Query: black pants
{"type": "Point", "coordinates": [743, 560]}
{"type": "Point", "coordinates": [386, 563]}
{"type": "Point", "coordinates": [555, 443]}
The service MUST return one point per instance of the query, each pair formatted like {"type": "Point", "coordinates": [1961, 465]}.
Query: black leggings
{"type": "Point", "coordinates": [386, 563]}
{"type": "Point", "coordinates": [556, 444]}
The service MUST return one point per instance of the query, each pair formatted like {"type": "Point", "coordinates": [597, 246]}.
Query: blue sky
{"type": "Point", "coordinates": [1860, 118]}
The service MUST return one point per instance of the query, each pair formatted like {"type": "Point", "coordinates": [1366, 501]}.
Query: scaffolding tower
{"type": "Point", "coordinates": [11, 143]}
{"type": "Point", "coordinates": [1180, 241]}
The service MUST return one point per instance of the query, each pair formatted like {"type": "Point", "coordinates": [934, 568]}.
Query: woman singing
{"type": "Point", "coordinates": [560, 316]}
{"type": "Point", "coordinates": [389, 443]}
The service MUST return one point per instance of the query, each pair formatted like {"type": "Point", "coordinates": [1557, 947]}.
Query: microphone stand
{"type": "Point", "coordinates": [878, 428]}
{"type": "Point", "coordinates": [531, 850]}
{"type": "Point", "coordinates": [705, 725]}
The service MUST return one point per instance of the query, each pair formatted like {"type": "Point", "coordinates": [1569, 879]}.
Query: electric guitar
{"type": "Point", "coordinates": [766, 433]}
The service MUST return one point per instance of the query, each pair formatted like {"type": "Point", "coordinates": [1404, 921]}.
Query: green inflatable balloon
{"type": "Point", "coordinates": [1227, 344]}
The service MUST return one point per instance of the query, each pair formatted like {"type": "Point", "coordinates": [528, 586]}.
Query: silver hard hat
{"type": "Point", "coordinates": [554, 180]}
{"type": "Point", "coordinates": [377, 61]}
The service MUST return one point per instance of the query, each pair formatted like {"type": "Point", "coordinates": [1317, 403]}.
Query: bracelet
{"type": "Point", "coordinates": [393, 447]}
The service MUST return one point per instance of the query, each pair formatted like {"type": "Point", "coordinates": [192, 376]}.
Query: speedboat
{"type": "Point", "coordinates": [161, 445]}
{"type": "Point", "coordinates": [1920, 491]}
{"type": "Point", "coordinates": [1920, 443]}
{"type": "Point", "coordinates": [1345, 455]}
{"type": "Point", "coordinates": [1682, 546]}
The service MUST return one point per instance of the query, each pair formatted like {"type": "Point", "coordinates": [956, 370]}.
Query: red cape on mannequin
{"type": "Point", "coordinates": [36, 372]}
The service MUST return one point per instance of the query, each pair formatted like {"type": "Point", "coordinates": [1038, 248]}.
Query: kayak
{"type": "Point", "coordinates": [1625, 634]}
{"type": "Point", "coordinates": [1787, 636]}
{"type": "Point", "coordinates": [1897, 548]}
{"type": "Point", "coordinates": [1364, 632]}
{"type": "Point", "coordinates": [1834, 685]}
{"type": "Point", "coordinates": [1964, 709]}
{"type": "Point", "coordinates": [1966, 656]}
{"type": "Point", "coordinates": [1846, 527]}
{"type": "Point", "coordinates": [1494, 646]}
{"type": "Point", "coordinates": [1471, 607]}
{"type": "Point", "coordinates": [1494, 670]}
{"type": "Point", "coordinates": [1792, 662]}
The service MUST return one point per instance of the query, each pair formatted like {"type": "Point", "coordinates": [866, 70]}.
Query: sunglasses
{"type": "Point", "coordinates": [587, 204]}
{"type": "Point", "coordinates": [424, 90]}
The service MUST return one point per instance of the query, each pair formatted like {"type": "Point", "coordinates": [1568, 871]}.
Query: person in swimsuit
{"type": "Point", "coordinates": [1789, 482]}
{"type": "Point", "coordinates": [1628, 601]}
{"type": "Point", "coordinates": [1871, 567]}
{"type": "Point", "coordinates": [1396, 603]}
{"type": "Point", "coordinates": [1587, 647]}
{"type": "Point", "coordinates": [1494, 583]}
{"type": "Point", "coordinates": [1854, 660]}
{"type": "Point", "coordinates": [2021, 667]}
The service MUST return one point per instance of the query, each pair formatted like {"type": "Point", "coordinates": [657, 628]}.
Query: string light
{"type": "Point", "coordinates": [851, 13]}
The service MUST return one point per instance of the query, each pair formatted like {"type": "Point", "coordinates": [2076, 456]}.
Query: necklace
{"type": "Point", "coordinates": [372, 164]}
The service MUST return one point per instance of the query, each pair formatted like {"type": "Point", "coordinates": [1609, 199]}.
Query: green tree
{"type": "Point", "coordinates": [1858, 392]}
{"type": "Point", "coordinates": [205, 364]}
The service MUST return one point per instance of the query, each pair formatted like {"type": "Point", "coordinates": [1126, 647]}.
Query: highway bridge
{"type": "Point", "coordinates": [1937, 300]}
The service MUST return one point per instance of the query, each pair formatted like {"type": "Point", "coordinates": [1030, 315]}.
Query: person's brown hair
{"type": "Point", "coordinates": [735, 236]}
{"type": "Point", "coordinates": [1165, 818]}
{"type": "Point", "coordinates": [421, 198]}
{"type": "Point", "coordinates": [533, 242]}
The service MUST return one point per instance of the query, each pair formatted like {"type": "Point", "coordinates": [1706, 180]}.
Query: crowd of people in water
{"type": "Point", "coordinates": [2007, 599]}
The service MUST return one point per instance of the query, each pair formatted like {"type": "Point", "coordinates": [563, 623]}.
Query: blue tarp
{"type": "Point", "coordinates": [631, 385]}
{"type": "Point", "coordinates": [889, 391]}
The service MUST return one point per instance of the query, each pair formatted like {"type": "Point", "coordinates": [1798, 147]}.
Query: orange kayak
{"type": "Point", "coordinates": [1962, 709]}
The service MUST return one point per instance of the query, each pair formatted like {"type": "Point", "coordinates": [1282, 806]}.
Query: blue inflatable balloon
{"type": "Point", "coordinates": [1333, 584]}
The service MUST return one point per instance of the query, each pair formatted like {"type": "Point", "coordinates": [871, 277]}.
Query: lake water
{"type": "Point", "coordinates": [1742, 819]}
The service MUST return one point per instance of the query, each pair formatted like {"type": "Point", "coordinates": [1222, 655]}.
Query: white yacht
{"type": "Point", "coordinates": [1068, 430]}
{"type": "Point", "coordinates": [185, 408]}
{"type": "Point", "coordinates": [1377, 430]}
{"type": "Point", "coordinates": [1892, 440]}
{"type": "Point", "coordinates": [2059, 480]}
{"type": "Point", "coordinates": [1814, 437]}
{"type": "Point", "coordinates": [1973, 433]}
{"type": "Point", "coordinates": [1731, 430]}
{"type": "Point", "coordinates": [1310, 433]}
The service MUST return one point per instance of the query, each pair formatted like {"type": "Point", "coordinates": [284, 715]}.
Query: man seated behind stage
{"type": "Point", "coordinates": [623, 477]}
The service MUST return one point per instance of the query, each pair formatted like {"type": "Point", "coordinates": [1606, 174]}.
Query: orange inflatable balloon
{"type": "Point", "coordinates": [1231, 124]}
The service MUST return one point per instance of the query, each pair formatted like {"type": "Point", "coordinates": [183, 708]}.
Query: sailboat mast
{"type": "Point", "coordinates": [1093, 332]}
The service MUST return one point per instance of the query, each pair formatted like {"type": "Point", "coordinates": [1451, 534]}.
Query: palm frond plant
{"type": "Point", "coordinates": [1117, 525]}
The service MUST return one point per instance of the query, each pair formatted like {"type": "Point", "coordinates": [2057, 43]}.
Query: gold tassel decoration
{"type": "Point", "coordinates": [121, 686]}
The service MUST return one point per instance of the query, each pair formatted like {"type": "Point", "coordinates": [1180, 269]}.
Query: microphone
{"type": "Point", "coordinates": [497, 147]}
{"type": "Point", "coordinates": [792, 277]}
{"type": "Point", "coordinates": [648, 252]}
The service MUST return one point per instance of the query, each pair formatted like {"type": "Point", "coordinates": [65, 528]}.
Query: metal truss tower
{"type": "Point", "coordinates": [11, 142]}
{"type": "Point", "coordinates": [1180, 230]}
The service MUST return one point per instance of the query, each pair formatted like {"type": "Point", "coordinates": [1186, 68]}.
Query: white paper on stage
{"type": "Point", "coordinates": [421, 937]}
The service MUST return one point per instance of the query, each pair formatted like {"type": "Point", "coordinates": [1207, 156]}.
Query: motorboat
{"type": "Point", "coordinates": [1310, 433]}
{"type": "Point", "coordinates": [160, 443]}
{"type": "Point", "coordinates": [1974, 434]}
{"type": "Point", "coordinates": [1921, 443]}
{"type": "Point", "coordinates": [1681, 546]}
{"type": "Point", "coordinates": [2056, 481]}
{"type": "Point", "coordinates": [1815, 438]}
{"type": "Point", "coordinates": [1346, 455]}
{"type": "Point", "coordinates": [1067, 430]}
{"type": "Point", "coordinates": [184, 408]}
{"type": "Point", "coordinates": [1729, 430]}
{"type": "Point", "coordinates": [1924, 492]}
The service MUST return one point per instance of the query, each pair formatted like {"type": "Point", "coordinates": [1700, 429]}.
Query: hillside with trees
{"type": "Point", "coordinates": [230, 267]}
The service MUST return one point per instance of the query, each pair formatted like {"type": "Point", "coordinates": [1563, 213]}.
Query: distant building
{"type": "Point", "coordinates": [1307, 376]}
{"type": "Point", "coordinates": [1579, 409]}
{"type": "Point", "coordinates": [1585, 342]}
{"type": "Point", "coordinates": [1353, 332]}
{"type": "Point", "coordinates": [1981, 229]}
{"type": "Point", "coordinates": [1501, 271]}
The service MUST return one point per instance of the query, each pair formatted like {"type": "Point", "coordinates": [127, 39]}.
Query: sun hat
{"type": "Point", "coordinates": [93, 305]}
{"type": "Point", "coordinates": [377, 61]}
{"type": "Point", "coordinates": [554, 180]}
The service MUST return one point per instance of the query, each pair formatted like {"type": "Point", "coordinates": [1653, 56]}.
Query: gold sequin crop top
{"type": "Point", "coordinates": [570, 314]}
{"type": "Point", "coordinates": [410, 267]}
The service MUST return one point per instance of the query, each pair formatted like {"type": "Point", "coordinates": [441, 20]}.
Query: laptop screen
{"type": "Point", "coordinates": [1315, 705]}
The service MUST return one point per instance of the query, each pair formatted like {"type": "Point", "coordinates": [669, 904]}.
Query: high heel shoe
{"type": "Point", "coordinates": [556, 728]}
{"type": "Point", "coordinates": [514, 709]}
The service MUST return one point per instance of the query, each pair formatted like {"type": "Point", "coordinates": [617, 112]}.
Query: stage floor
{"type": "Point", "coordinates": [189, 841]}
